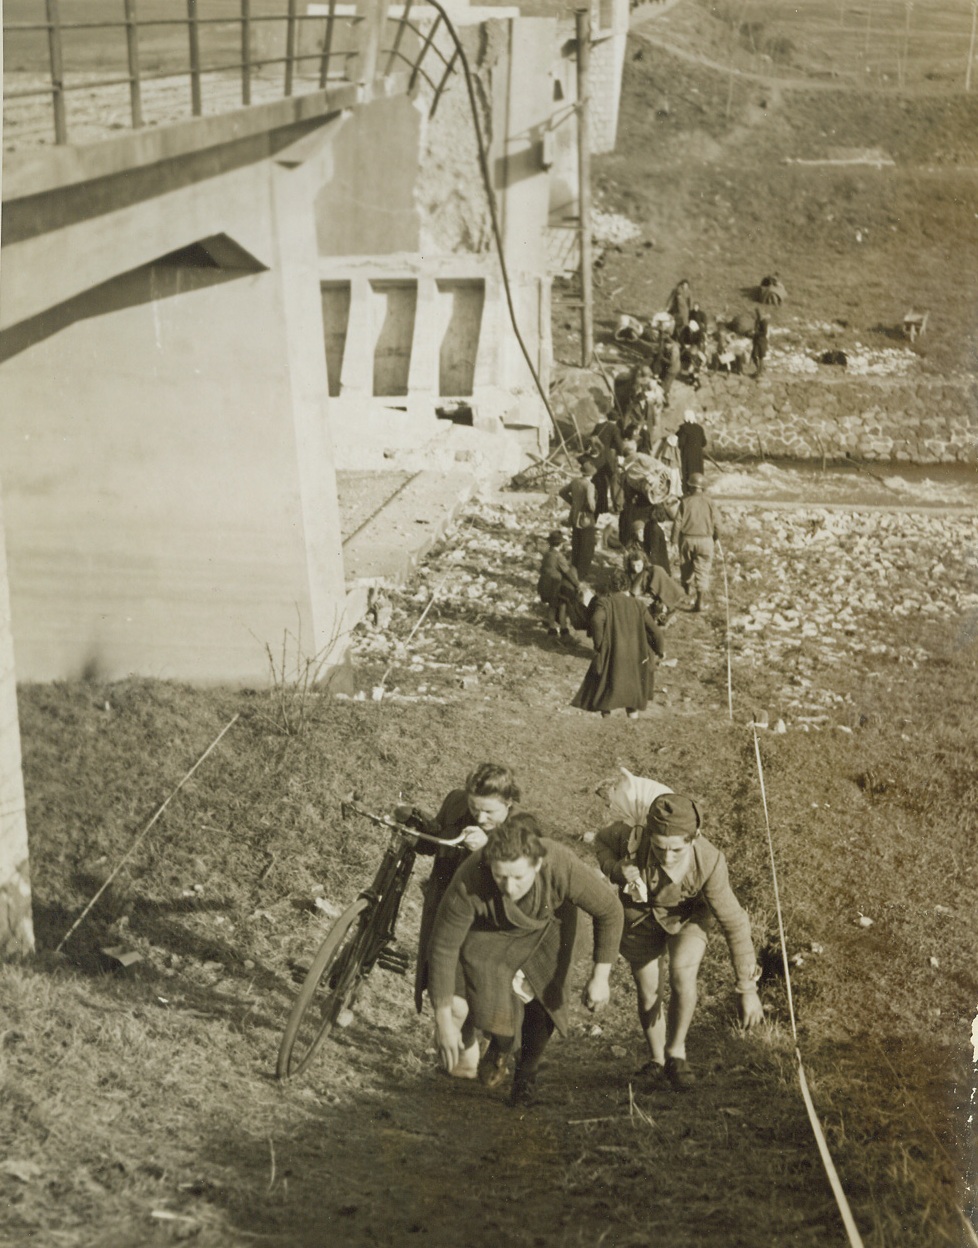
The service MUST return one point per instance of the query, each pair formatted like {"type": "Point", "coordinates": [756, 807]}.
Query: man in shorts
{"type": "Point", "coordinates": [674, 887]}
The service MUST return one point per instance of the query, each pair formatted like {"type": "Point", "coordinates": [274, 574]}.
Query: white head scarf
{"type": "Point", "coordinates": [629, 799]}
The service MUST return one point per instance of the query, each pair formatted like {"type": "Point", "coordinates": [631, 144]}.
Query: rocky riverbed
{"type": "Point", "coordinates": [814, 592]}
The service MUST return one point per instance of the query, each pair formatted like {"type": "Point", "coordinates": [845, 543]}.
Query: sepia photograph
{"type": "Point", "coordinates": [489, 624]}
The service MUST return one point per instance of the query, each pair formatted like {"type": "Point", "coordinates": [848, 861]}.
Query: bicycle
{"type": "Point", "coordinates": [361, 938]}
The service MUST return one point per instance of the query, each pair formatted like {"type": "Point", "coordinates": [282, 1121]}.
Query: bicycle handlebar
{"type": "Point", "coordinates": [386, 821]}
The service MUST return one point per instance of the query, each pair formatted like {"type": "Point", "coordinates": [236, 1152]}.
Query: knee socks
{"type": "Point", "coordinates": [538, 1027]}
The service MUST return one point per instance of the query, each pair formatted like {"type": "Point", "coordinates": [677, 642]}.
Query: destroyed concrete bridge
{"type": "Point", "coordinates": [245, 246]}
{"type": "Point", "coordinates": [213, 298]}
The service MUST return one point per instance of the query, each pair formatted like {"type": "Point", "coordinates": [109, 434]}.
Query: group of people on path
{"type": "Point", "coordinates": [680, 341]}
{"type": "Point", "coordinates": [500, 919]}
{"type": "Point", "coordinates": [625, 619]}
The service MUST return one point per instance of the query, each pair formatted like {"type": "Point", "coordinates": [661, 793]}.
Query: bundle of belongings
{"type": "Point", "coordinates": [629, 329]}
{"type": "Point", "coordinates": [648, 477]}
{"type": "Point", "coordinates": [772, 290]}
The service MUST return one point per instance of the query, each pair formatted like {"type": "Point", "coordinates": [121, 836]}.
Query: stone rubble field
{"type": "Point", "coordinates": [814, 594]}
{"type": "Point", "coordinates": [796, 349]}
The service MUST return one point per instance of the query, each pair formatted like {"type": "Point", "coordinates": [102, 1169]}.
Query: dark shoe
{"type": "Point", "coordinates": [680, 1074]}
{"type": "Point", "coordinates": [651, 1072]}
{"type": "Point", "coordinates": [565, 632]}
{"type": "Point", "coordinates": [552, 632]}
{"type": "Point", "coordinates": [524, 1092]}
{"type": "Point", "coordinates": [492, 1067]}
{"type": "Point", "coordinates": [697, 604]}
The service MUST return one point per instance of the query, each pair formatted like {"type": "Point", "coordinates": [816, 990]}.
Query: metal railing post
{"type": "Point", "coordinates": [423, 53]}
{"type": "Point", "coordinates": [443, 83]}
{"type": "Point", "coordinates": [57, 72]}
{"type": "Point", "coordinates": [193, 31]}
{"type": "Point", "coordinates": [290, 23]}
{"type": "Point", "coordinates": [371, 19]}
{"type": "Point", "coordinates": [245, 51]}
{"type": "Point", "coordinates": [401, 27]}
{"type": "Point", "coordinates": [132, 47]}
{"type": "Point", "coordinates": [327, 45]}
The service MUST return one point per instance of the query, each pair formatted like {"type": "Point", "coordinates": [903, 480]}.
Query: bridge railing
{"type": "Point", "coordinates": [320, 45]}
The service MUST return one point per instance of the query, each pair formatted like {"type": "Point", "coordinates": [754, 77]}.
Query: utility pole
{"type": "Point", "coordinates": [971, 48]}
{"type": "Point", "coordinates": [902, 62]}
{"type": "Point", "coordinates": [583, 19]}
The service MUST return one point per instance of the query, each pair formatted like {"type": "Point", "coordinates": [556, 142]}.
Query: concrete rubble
{"type": "Point", "coordinates": [812, 591]}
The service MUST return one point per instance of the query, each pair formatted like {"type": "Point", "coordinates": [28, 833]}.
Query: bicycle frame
{"type": "Point", "coordinates": [387, 888]}
{"type": "Point", "coordinates": [361, 937]}
{"type": "Point", "coordinates": [386, 892]}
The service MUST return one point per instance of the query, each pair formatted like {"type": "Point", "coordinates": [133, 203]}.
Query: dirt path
{"type": "Point", "coordinates": [140, 1106]}
{"type": "Point", "coordinates": [403, 1169]}
{"type": "Point", "coordinates": [643, 28]}
{"type": "Point", "coordinates": [385, 1150]}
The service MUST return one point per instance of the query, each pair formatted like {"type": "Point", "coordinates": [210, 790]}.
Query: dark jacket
{"type": "Point", "coordinates": [453, 816]}
{"type": "Point", "coordinates": [692, 444]}
{"type": "Point", "coordinates": [481, 938]}
{"type": "Point", "coordinates": [583, 502]}
{"type": "Point", "coordinates": [557, 577]}
{"type": "Point", "coordinates": [703, 890]}
{"type": "Point", "coordinates": [622, 671]}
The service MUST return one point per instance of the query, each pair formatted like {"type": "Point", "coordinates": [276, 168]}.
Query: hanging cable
{"type": "Point", "coordinates": [726, 601]}
{"type": "Point", "coordinates": [494, 215]}
{"type": "Point", "coordinates": [141, 837]}
{"type": "Point", "coordinates": [832, 1174]}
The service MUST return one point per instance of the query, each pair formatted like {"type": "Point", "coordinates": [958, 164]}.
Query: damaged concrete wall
{"type": "Point", "coordinates": [450, 197]}
{"type": "Point", "coordinates": [414, 313]}
{"type": "Point", "coordinates": [369, 205]}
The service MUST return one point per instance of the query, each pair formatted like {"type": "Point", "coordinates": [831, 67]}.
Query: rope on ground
{"type": "Point", "coordinates": [726, 603]}
{"type": "Point", "coordinates": [493, 212]}
{"type": "Point", "coordinates": [141, 837]}
{"type": "Point", "coordinates": [833, 1176]}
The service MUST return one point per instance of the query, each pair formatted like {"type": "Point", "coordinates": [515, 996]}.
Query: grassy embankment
{"type": "Point", "coordinates": [150, 1090]}
{"type": "Point", "coordinates": [700, 166]}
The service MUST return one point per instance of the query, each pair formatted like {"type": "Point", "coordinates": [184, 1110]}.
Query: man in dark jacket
{"type": "Point", "coordinates": [580, 493]}
{"type": "Point", "coordinates": [607, 446]}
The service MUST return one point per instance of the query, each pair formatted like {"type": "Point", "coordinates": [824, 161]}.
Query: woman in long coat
{"type": "Point", "coordinates": [622, 671]}
{"type": "Point", "coordinates": [692, 444]}
{"type": "Point", "coordinates": [502, 947]}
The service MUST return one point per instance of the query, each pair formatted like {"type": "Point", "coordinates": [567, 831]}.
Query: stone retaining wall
{"type": "Point", "coordinates": [913, 420]}
{"type": "Point", "coordinates": [922, 420]}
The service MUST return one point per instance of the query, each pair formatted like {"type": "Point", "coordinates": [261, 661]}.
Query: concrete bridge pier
{"type": "Point", "coordinates": [165, 454]}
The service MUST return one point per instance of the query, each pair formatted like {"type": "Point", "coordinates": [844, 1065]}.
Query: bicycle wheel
{"type": "Point", "coordinates": [328, 987]}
